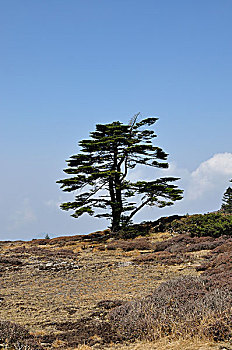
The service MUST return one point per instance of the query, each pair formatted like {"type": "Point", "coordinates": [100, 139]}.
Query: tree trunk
{"type": "Point", "coordinates": [116, 223]}
{"type": "Point", "coordinates": [116, 205]}
{"type": "Point", "coordinates": [116, 190]}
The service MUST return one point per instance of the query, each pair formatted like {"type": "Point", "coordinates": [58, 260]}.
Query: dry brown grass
{"type": "Point", "coordinates": [83, 347]}
{"type": "Point", "coordinates": [182, 307]}
{"type": "Point", "coordinates": [57, 301]}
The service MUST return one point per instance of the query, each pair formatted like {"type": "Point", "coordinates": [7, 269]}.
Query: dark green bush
{"type": "Point", "coordinates": [132, 231]}
{"type": "Point", "coordinates": [212, 224]}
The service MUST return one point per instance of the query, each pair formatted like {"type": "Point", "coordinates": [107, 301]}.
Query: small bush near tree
{"type": "Point", "coordinates": [212, 224]}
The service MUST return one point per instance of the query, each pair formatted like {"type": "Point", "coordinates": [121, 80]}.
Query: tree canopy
{"type": "Point", "coordinates": [227, 201]}
{"type": "Point", "coordinates": [99, 173]}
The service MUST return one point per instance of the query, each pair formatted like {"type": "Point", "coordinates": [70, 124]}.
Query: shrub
{"type": "Point", "coordinates": [165, 258]}
{"type": "Point", "coordinates": [17, 336]}
{"type": "Point", "coordinates": [217, 329]}
{"type": "Point", "coordinates": [163, 223]}
{"type": "Point", "coordinates": [139, 244]}
{"type": "Point", "coordinates": [132, 231]}
{"type": "Point", "coordinates": [185, 243]}
{"type": "Point", "coordinates": [212, 224]}
{"type": "Point", "coordinates": [177, 308]}
{"type": "Point", "coordinates": [44, 252]}
{"type": "Point", "coordinates": [218, 271]}
{"type": "Point", "coordinates": [10, 261]}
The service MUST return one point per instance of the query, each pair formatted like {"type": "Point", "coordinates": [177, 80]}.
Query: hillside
{"type": "Point", "coordinates": [165, 290]}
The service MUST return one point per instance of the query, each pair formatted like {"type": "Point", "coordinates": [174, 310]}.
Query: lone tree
{"type": "Point", "coordinates": [227, 201]}
{"type": "Point", "coordinates": [100, 173]}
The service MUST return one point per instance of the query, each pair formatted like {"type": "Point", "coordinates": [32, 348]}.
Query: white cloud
{"type": "Point", "coordinates": [203, 187]}
{"type": "Point", "coordinates": [210, 174]}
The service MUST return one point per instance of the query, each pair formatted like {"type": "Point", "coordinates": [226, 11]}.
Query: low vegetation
{"type": "Point", "coordinates": [169, 288]}
{"type": "Point", "coordinates": [182, 307]}
{"type": "Point", "coordinates": [212, 224]}
{"type": "Point", "coordinates": [14, 336]}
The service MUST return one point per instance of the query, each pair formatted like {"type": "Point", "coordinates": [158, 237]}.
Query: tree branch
{"type": "Point", "coordinates": [94, 192]}
{"type": "Point", "coordinates": [138, 208]}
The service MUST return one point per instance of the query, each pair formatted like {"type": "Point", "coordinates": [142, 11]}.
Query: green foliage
{"type": "Point", "coordinates": [227, 201]}
{"type": "Point", "coordinates": [212, 224]}
{"type": "Point", "coordinates": [47, 236]}
{"type": "Point", "coordinates": [99, 173]}
{"type": "Point", "coordinates": [132, 231]}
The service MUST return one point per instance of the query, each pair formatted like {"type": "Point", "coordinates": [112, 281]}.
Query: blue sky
{"type": "Point", "coordinates": [67, 65]}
